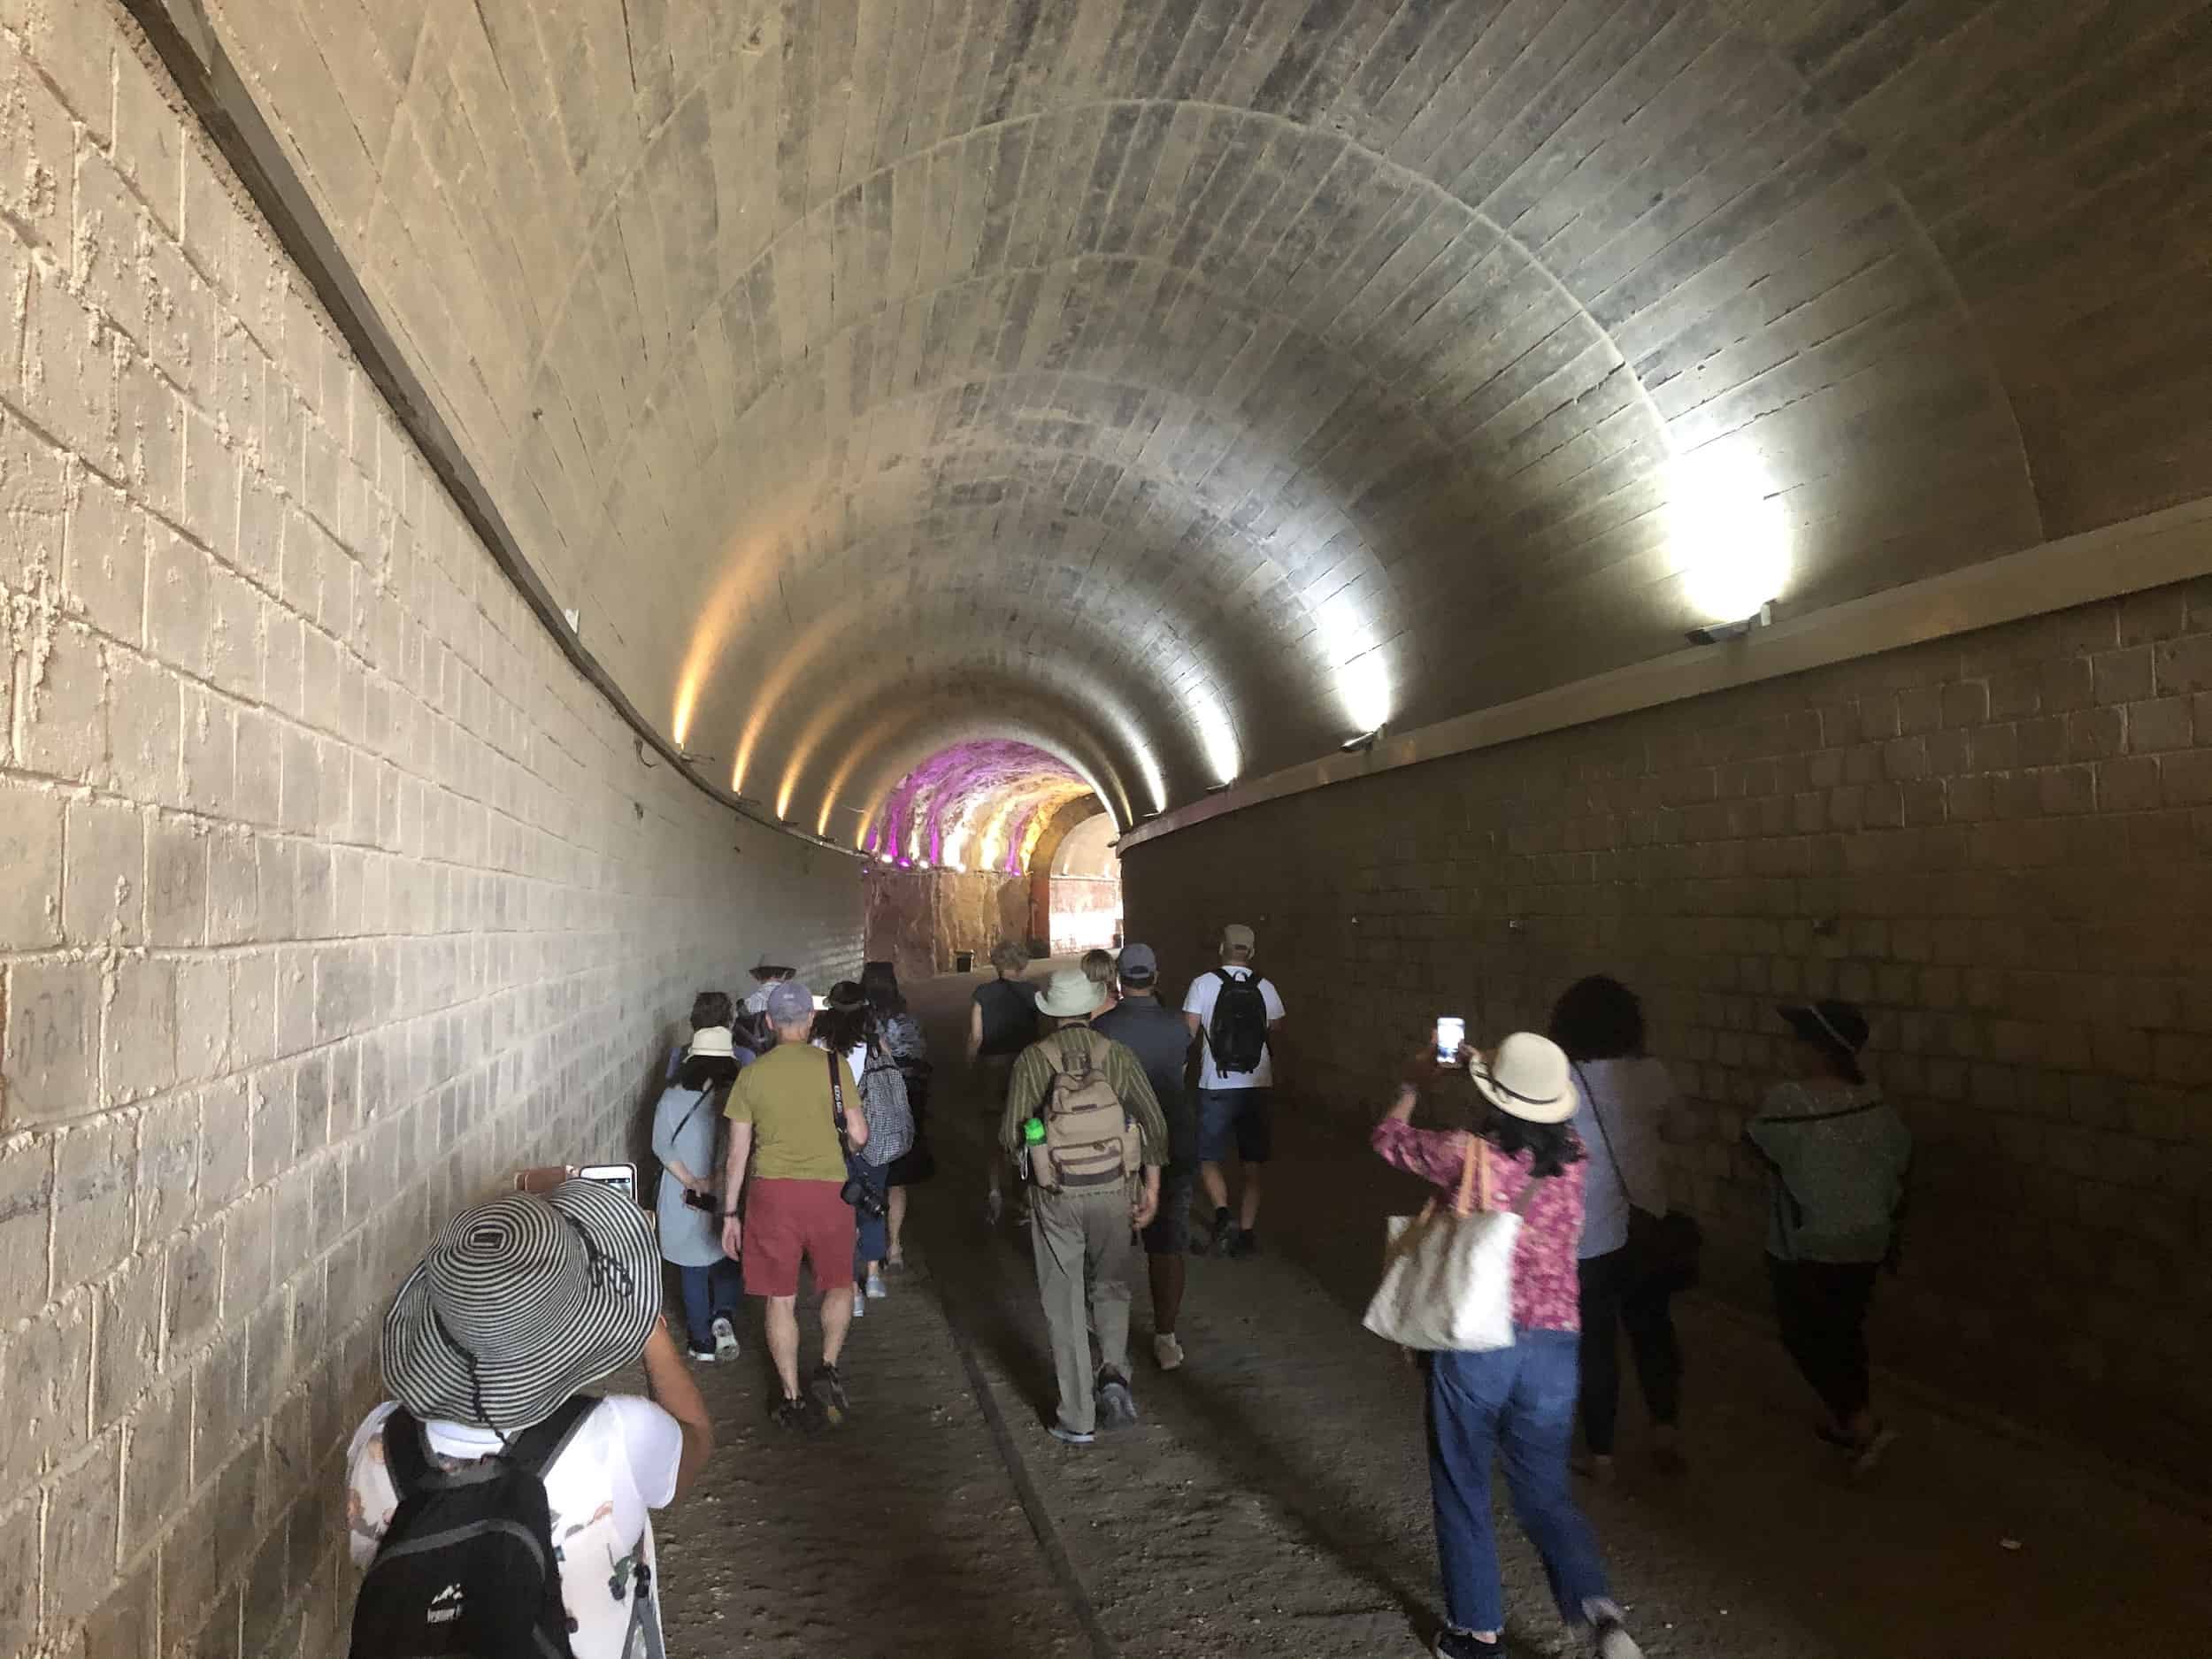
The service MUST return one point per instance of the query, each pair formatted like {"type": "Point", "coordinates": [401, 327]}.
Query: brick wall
{"type": "Point", "coordinates": [2000, 844]}
{"type": "Point", "coordinates": [328, 891]}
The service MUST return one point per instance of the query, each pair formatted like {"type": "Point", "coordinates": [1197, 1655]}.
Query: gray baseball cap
{"type": "Point", "coordinates": [790, 1004]}
{"type": "Point", "coordinates": [1138, 965]}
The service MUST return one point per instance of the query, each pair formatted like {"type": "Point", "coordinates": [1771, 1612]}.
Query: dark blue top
{"type": "Point", "coordinates": [1160, 1038]}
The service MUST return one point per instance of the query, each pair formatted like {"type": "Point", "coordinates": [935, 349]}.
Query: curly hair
{"type": "Point", "coordinates": [1598, 1019]}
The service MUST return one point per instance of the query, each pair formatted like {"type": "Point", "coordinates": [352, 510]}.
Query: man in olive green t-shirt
{"type": "Point", "coordinates": [783, 1123]}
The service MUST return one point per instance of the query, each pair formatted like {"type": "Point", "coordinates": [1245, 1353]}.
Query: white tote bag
{"type": "Point", "coordinates": [1448, 1273]}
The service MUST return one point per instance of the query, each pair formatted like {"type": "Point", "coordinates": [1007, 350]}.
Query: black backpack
{"type": "Point", "coordinates": [467, 1568]}
{"type": "Point", "coordinates": [1238, 1032]}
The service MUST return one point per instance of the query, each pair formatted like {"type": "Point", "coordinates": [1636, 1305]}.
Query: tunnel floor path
{"type": "Point", "coordinates": [1274, 1499]}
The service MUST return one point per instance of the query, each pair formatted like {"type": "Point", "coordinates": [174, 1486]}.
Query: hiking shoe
{"type": "Point", "coordinates": [1168, 1351]}
{"type": "Point", "coordinates": [877, 1289]}
{"type": "Point", "coordinates": [1243, 1243]}
{"type": "Point", "coordinates": [1866, 1454]}
{"type": "Point", "coordinates": [726, 1347]}
{"type": "Point", "coordinates": [1225, 1239]}
{"type": "Point", "coordinates": [1067, 1436]}
{"type": "Point", "coordinates": [801, 1416]}
{"type": "Point", "coordinates": [1613, 1641]}
{"type": "Point", "coordinates": [1464, 1644]}
{"type": "Point", "coordinates": [828, 1389]}
{"type": "Point", "coordinates": [1116, 1404]}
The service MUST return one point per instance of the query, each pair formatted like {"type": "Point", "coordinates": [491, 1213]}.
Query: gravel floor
{"type": "Point", "coordinates": [1274, 1500]}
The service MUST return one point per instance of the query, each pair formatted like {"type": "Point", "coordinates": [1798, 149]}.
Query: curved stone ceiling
{"type": "Point", "coordinates": [1185, 386]}
{"type": "Point", "coordinates": [976, 805]}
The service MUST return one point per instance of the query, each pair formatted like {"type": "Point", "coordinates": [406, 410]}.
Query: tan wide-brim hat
{"type": "Point", "coordinates": [712, 1041]}
{"type": "Point", "coordinates": [1527, 1077]}
{"type": "Point", "coordinates": [1069, 995]}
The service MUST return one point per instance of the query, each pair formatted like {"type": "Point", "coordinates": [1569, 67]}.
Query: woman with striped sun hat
{"type": "Point", "coordinates": [520, 1303]}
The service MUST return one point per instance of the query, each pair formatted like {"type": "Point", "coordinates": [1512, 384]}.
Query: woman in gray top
{"type": "Point", "coordinates": [684, 1126]}
{"type": "Point", "coordinates": [1837, 1155]}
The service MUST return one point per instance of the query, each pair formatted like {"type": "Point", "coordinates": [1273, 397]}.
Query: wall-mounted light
{"type": "Point", "coordinates": [1361, 744]}
{"type": "Point", "coordinates": [1223, 788]}
{"type": "Point", "coordinates": [692, 757]}
{"type": "Point", "coordinates": [1717, 632]}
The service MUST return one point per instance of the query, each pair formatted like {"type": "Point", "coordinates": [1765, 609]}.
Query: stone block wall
{"type": "Point", "coordinates": [2001, 844]}
{"type": "Point", "coordinates": [328, 891]}
{"type": "Point", "coordinates": [919, 919]}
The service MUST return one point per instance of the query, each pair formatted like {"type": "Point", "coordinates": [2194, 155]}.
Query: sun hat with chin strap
{"type": "Point", "coordinates": [1527, 1077]}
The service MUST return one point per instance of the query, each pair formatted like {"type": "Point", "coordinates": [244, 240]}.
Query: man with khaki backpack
{"type": "Point", "coordinates": [1082, 1120]}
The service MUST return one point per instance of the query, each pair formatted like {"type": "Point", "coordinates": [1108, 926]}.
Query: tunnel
{"type": "Point", "coordinates": [511, 513]}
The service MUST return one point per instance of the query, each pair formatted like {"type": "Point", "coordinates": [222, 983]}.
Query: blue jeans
{"type": "Point", "coordinates": [716, 1291]}
{"type": "Point", "coordinates": [1518, 1404]}
{"type": "Point", "coordinates": [871, 1235]}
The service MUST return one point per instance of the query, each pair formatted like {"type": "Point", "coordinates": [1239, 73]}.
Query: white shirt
{"type": "Point", "coordinates": [620, 1463]}
{"type": "Point", "coordinates": [1203, 991]}
{"type": "Point", "coordinates": [1635, 1094]}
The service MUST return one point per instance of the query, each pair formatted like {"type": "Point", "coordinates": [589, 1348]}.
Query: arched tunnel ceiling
{"type": "Point", "coordinates": [1188, 385]}
{"type": "Point", "coordinates": [982, 805]}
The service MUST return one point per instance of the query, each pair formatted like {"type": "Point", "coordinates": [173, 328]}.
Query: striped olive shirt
{"type": "Point", "coordinates": [1031, 1082]}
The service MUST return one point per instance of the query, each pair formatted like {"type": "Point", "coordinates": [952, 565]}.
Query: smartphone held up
{"type": "Point", "coordinates": [1451, 1031]}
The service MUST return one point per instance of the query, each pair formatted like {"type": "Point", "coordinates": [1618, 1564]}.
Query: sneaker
{"type": "Point", "coordinates": [726, 1343]}
{"type": "Point", "coordinates": [703, 1355]}
{"type": "Point", "coordinates": [860, 1302]}
{"type": "Point", "coordinates": [1243, 1243]}
{"type": "Point", "coordinates": [801, 1416]}
{"type": "Point", "coordinates": [1613, 1641]}
{"type": "Point", "coordinates": [1464, 1644]}
{"type": "Point", "coordinates": [1866, 1454]}
{"type": "Point", "coordinates": [1168, 1351]}
{"type": "Point", "coordinates": [1225, 1239]}
{"type": "Point", "coordinates": [1116, 1404]}
{"type": "Point", "coordinates": [1067, 1436]}
{"type": "Point", "coordinates": [828, 1389]}
{"type": "Point", "coordinates": [877, 1289]}
{"type": "Point", "coordinates": [1596, 1466]}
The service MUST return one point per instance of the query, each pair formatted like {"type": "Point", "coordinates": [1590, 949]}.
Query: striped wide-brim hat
{"type": "Point", "coordinates": [521, 1302]}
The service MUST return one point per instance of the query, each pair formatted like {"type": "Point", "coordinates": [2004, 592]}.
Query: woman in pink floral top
{"type": "Point", "coordinates": [1516, 1402]}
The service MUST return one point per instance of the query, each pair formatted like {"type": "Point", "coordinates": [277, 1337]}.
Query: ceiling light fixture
{"type": "Point", "coordinates": [1718, 633]}
{"type": "Point", "coordinates": [1223, 788]}
{"type": "Point", "coordinates": [1361, 744]}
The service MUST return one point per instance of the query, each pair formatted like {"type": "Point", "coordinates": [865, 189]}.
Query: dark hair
{"type": "Point", "coordinates": [706, 1071]}
{"type": "Point", "coordinates": [1598, 1019]}
{"type": "Point", "coordinates": [709, 1008]}
{"type": "Point", "coordinates": [1552, 1146]}
{"type": "Point", "coordinates": [848, 1021]}
{"type": "Point", "coordinates": [880, 983]}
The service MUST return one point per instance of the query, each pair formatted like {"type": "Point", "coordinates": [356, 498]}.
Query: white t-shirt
{"type": "Point", "coordinates": [1204, 990]}
{"type": "Point", "coordinates": [620, 1463]}
{"type": "Point", "coordinates": [1635, 1094]}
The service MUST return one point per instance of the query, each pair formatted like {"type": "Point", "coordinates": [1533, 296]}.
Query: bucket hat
{"type": "Point", "coordinates": [520, 1302]}
{"type": "Point", "coordinates": [1069, 995]}
{"type": "Point", "coordinates": [712, 1039]}
{"type": "Point", "coordinates": [1527, 1077]}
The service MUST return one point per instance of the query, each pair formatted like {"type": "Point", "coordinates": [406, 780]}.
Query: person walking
{"type": "Point", "coordinates": [909, 1051]}
{"type": "Point", "coordinates": [1625, 1097]}
{"type": "Point", "coordinates": [709, 1009]}
{"type": "Point", "coordinates": [1157, 1035]}
{"type": "Point", "coordinates": [1099, 1126]}
{"type": "Point", "coordinates": [783, 1115]}
{"type": "Point", "coordinates": [519, 1305]}
{"type": "Point", "coordinates": [684, 1124]}
{"type": "Point", "coordinates": [1512, 1404]}
{"type": "Point", "coordinates": [1100, 968]}
{"type": "Point", "coordinates": [1001, 1022]}
{"type": "Point", "coordinates": [847, 1027]}
{"type": "Point", "coordinates": [1235, 1014]}
{"type": "Point", "coordinates": [1838, 1156]}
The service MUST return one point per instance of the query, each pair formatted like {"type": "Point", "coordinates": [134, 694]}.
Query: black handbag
{"type": "Point", "coordinates": [1663, 1250]}
{"type": "Point", "coordinates": [865, 1198]}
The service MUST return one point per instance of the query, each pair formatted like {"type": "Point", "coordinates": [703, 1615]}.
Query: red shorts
{"type": "Point", "coordinates": [785, 1220]}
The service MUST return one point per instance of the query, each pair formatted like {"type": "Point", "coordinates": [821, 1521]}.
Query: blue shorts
{"type": "Point", "coordinates": [1241, 1116]}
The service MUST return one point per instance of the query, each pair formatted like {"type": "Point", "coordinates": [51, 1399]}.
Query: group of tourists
{"type": "Point", "coordinates": [1565, 1137]}
{"type": "Point", "coordinates": [1107, 1110]}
